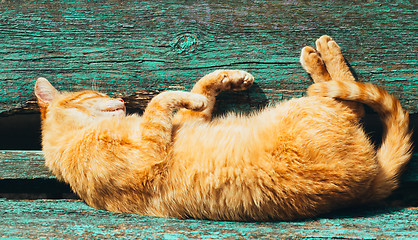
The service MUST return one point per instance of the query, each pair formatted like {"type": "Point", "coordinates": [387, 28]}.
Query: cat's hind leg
{"type": "Point", "coordinates": [332, 60]}
{"type": "Point", "coordinates": [210, 86]}
{"type": "Point", "coordinates": [331, 55]}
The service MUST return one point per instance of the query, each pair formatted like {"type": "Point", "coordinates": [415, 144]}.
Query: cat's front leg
{"type": "Point", "coordinates": [156, 125]}
{"type": "Point", "coordinates": [210, 86]}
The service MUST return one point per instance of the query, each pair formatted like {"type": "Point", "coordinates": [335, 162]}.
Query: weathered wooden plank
{"type": "Point", "coordinates": [30, 165]}
{"type": "Point", "coordinates": [23, 165]}
{"type": "Point", "coordinates": [123, 47]}
{"type": "Point", "coordinates": [65, 219]}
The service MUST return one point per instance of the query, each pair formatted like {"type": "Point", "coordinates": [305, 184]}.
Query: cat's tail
{"type": "Point", "coordinates": [396, 148]}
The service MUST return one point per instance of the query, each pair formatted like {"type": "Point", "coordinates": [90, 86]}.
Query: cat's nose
{"type": "Point", "coordinates": [121, 100]}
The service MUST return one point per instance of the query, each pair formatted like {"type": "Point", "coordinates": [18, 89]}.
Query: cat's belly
{"type": "Point", "coordinates": [276, 165]}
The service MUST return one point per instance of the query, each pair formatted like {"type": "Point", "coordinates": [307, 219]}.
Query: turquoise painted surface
{"type": "Point", "coordinates": [58, 219]}
{"type": "Point", "coordinates": [23, 165]}
{"type": "Point", "coordinates": [119, 47]}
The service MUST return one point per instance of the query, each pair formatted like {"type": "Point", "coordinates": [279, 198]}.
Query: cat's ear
{"type": "Point", "coordinates": [45, 92]}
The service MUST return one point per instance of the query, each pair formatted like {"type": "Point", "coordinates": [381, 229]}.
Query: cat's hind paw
{"type": "Point", "coordinates": [312, 63]}
{"type": "Point", "coordinates": [329, 50]}
{"type": "Point", "coordinates": [310, 59]}
{"type": "Point", "coordinates": [330, 53]}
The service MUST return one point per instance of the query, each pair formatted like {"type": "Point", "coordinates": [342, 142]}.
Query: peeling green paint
{"type": "Point", "coordinates": [58, 219]}
{"type": "Point", "coordinates": [127, 46]}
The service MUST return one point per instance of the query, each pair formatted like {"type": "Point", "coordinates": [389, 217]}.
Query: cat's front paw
{"type": "Point", "coordinates": [195, 102]}
{"type": "Point", "coordinates": [235, 80]}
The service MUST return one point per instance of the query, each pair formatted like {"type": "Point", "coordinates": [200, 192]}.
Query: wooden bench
{"type": "Point", "coordinates": [136, 49]}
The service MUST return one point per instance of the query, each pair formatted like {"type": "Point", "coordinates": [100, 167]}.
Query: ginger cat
{"type": "Point", "coordinates": [296, 159]}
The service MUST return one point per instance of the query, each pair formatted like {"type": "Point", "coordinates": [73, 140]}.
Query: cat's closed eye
{"type": "Point", "coordinates": [96, 104]}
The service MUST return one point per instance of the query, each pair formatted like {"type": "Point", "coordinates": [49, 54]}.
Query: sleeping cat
{"type": "Point", "coordinates": [297, 159]}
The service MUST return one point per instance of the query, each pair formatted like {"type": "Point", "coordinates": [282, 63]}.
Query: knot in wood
{"type": "Point", "coordinates": [185, 43]}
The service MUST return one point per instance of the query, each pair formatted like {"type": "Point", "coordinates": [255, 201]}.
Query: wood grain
{"type": "Point", "coordinates": [124, 47]}
{"type": "Point", "coordinates": [23, 165]}
{"type": "Point", "coordinates": [68, 219]}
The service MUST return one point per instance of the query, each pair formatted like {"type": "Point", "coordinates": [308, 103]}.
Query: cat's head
{"type": "Point", "coordinates": [77, 108]}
